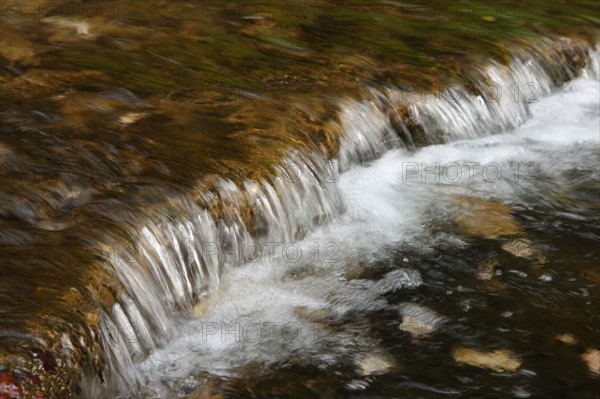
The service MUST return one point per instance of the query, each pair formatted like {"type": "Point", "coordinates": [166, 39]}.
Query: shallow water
{"type": "Point", "coordinates": [307, 318]}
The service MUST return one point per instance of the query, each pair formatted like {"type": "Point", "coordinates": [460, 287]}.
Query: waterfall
{"type": "Point", "coordinates": [182, 253]}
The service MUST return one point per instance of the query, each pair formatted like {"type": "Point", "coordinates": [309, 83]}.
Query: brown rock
{"type": "Point", "coordinates": [419, 321]}
{"type": "Point", "coordinates": [131, 117]}
{"type": "Point", "coordinates": [499, 360]}
{"type": "Point", "coordinates": [486, 269]}
{"type": "Point", "coordinates": [17, 49]}
{"type": "Point", "coordinates": [486, 219]}
{"type": "Point", "coordinates": [524, 248]}
{"type": "Point", "coordinates": [521, 248]}
{"type": "Point", "coordinates": [591, 357]}
{"type": "Point", "coordinates": [592, 275]}
{"type": "Point", "coordinates": [566, 338]}
{"type": "Point", "coordinates": [415, 327]}
{"type": "Point", "coordinates": [374, 364]}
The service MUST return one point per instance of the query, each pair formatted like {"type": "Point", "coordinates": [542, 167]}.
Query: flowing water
{"type": "Point", "coordinates": [309, 301]}
{"type": "Point", "coordinates": [250, 200]}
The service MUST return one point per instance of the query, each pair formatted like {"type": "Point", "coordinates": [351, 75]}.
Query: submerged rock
{"type": "Point", "coordinates": [486, 219]}
{"type": "Point", "coordinates": [415, 327]}
{"type": "Point", "coordinates": [566, 338]}
{"type": "Point", "coordinates": [499, 360]}
{"type": "Point", "coordinates": [374, 364]}
{"type": "Point", "coordinates": [524, 248]}
{"type": "Point", "coordinates": [591, 357]}
{"type": "Point", "coordinates": [521, 248]}
{"type": "Point", "coordinates": [131, 117]}
{"type": "Point", "coordinates": [487, 268]}
{"type": "Point", "coordinates": [592, 275]}
{"type": "Point", "coordinates": [419, 321]}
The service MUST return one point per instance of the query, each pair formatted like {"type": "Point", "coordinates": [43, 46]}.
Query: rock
{"type": "Point", "coordinates": [419, 321]}
{"type": "Point", "coordinates": [570, 53]}
{"type": "Point", "coordinates": [131, 117]}
{"type": "Point", "coordinates": [415, 327]}
{"type": "Point", "coordinates": [499, 361]}
{"type": "Point", "coordinates": [373, 365]}
{"type": "Point", "coordinates": [592, 275]}
{"type": "Point", "coordinates": [16, 49]}
{"type": "Point", "coordinates": [487, 268]}
{"type": "Point", "coordinates": [481, 218]}
{"type": "Point", "coordinates": [92, 319]}
{"type": "Point", "coordinates": [524, 248]}
{"type": "Point", "coordinates": [566, 338]}
{"type": "Point", "coordinates": [521, 248]}
{"type": "Point", "coordinates": [591, 357]}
